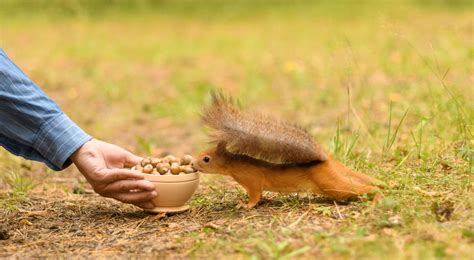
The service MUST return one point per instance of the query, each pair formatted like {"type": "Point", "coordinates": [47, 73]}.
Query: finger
{"type": "Point", "coordinates": [113, 175]}
{"type": "Point", "coordinates": [123, 186]}
{"type": "Point", "coordinates": [135, 197]}
{"type": "Point", "coordinates": [131, 160]}
{"type": "Point", "coordinates": [144, 205]}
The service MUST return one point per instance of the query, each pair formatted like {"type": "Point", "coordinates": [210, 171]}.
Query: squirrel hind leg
{"type": "Point", "coordinates": [343, 184]}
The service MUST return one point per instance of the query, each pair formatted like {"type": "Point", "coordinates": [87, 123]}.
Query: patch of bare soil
{"type": "Point", "coordinates": [55, 222]}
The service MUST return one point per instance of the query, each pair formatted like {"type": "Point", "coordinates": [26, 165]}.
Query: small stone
{"type": "Point", "coordinates": [443, 210]}
{"type": "Point", "coordinates": [395, 221]}
{"type": "Point", "coordinates": [4, 234]}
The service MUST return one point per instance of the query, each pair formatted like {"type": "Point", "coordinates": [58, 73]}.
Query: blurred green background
{"type": "Point", "coordinates": [112, 64]}
{"type": "Point", "coordinates": [387, 86]}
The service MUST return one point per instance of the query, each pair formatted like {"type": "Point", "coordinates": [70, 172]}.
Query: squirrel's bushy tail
{"type": "Point", "coordinates": [259, 136]}
{"type": "Point", "coordinates": [339, 182]}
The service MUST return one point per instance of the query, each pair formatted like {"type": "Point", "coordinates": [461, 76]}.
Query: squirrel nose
{"type": "Point", "coordinates": [194, 165]}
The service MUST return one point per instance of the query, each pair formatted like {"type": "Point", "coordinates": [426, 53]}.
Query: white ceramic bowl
{"type": "Point", "coordinates": [173, 191]}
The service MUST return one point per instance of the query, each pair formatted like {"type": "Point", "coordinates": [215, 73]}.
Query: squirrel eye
{"type": "Point", "coordinates": [206, 159]}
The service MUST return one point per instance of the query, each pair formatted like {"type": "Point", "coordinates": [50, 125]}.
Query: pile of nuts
{"type": "Point", "coordinates": [167, 165]}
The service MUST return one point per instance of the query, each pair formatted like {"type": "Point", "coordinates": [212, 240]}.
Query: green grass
{"type": "Point", "coordinates": [386, 87]}
{"type": "Point", "coordinates": [15, 184]}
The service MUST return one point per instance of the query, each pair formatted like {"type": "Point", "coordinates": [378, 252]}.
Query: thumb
{"type": "Point", "coordinates": [131, 159]}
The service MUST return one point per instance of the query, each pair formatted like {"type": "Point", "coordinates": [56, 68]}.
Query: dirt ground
{"type": "Point", "coordinates": [62, 217]}
{"type": "Point", "coordinates": [70, 221]}
{"type": "Point", "coordinates": [385, 86]}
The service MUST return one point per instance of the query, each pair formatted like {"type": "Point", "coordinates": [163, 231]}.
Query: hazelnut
{"type": "Point", "coordinates": [175, 168]}
{"type": "Point", "coordinates": [163, 165]}
{"type": "Point", "coordinates": [145, 161]}
{"type": "Point", "coordinates": [148, 168]}
{"type": "Point", "coordinates": [162, 170]}
{"type": "Point", "coordinates": [186, 160]}
{"type": "Point", "coordinates": [155, 161]}
{"type": "Point", "coordinates": [171, 158]}
{"type": "Point", "coordinates": [188, 169]}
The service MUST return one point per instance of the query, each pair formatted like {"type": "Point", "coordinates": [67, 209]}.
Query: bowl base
{"type": "Point", "coordinates": [169, 209]}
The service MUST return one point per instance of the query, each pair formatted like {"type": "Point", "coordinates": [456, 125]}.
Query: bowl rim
{"type": "Point", "coordinates": [172, 178]}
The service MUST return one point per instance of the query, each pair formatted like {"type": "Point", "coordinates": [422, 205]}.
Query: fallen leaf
{"type": "Point", "coordinates": [159, 216]}
{"type": "Point", "coordinates": [211, 225]}
{"type": "Point", "coordinates": [25, 222]}
{"type": "Point", "coordinates": [173, 225]}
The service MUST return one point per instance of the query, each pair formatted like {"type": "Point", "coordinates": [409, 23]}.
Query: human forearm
{"type": "Point", "coordinates": [31, 124]}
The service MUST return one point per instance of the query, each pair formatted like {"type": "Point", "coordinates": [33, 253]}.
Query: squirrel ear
{"type": "Point", "coordinates": [221, 147]}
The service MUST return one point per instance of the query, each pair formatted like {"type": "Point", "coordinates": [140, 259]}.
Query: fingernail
{"type": "Point", "coordinates": [154, 193]}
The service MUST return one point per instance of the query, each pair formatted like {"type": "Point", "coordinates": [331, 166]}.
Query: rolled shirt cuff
{"type": "Point", "coordinates": [58, 139]}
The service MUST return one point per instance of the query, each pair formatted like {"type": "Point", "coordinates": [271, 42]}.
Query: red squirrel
{"type": "Point", "coordinates": [262, 153]}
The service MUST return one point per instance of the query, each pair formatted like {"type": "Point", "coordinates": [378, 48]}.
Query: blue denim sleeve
{"type": "Point", "coordinates": [31, 124]}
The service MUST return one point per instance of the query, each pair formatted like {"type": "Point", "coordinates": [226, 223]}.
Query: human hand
{"type": "Point", "coordinates": [103, 166]}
